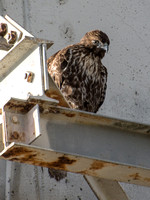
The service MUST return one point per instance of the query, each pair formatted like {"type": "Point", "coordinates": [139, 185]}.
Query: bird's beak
{"type": "Point", "coordinates": [105, 47]}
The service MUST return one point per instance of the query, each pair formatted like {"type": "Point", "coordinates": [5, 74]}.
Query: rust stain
{"type": "Point", "coordinates": [61, 162]}
{"type": "Point", "coordinates": [96, 119]}
{"type": "Point", "coordinates": [131, 126]}
{"type": "Point", "coordinates": [14, 135]}
{"type": "Point", "coordinates": [20, 107]}
{"type": "Point", "coordinates": [53, 110]}
{"type": "Point", "coordinates": [54, 94]}
{"type": "Point", "coordinates": [97, 165]}
{"type": "Point", "coordinates": [20, 154]}
{"type": "Point", "coordinates": [29, 158]}
{"type": "Point", "coordinates": [29, 76]}
{"type": "Point", "coordinates": [147, 179]}
{"type": "Point", "coordinates": [84, 172]}
{"type": "Point", "coordinates": [18, 151]}
{"type": "Point", "coordinates": [70, 114]}
{"type": "Point", "coordinates": [41, 109]}
{"type": "Point", "coordinates": [3, 29]}
{"type": "Point", "coordinates": [12, 37]}
{"type": "Point", "coordinates": [15, 159]}
{"type": "Point", "coordinates": [17, 136]}
{"type": "Point", "coordinates": [135, 176]}
{"type": "Point", "coordinates": [24, 155]}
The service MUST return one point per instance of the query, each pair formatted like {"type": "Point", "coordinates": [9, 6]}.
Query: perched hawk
{"type": "Point", "coordinates": [79, 73]}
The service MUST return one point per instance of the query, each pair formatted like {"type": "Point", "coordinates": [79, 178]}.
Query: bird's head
{"type": "Point", "coordinates": [96, 40]}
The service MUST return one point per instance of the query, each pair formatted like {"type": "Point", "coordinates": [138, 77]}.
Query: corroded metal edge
{"type": "Point", "coordinates": [74, 115]}
{"type": "Point", "coordinates": [74, 163]}
{"type": "Point", "coordinates": [54, 93]}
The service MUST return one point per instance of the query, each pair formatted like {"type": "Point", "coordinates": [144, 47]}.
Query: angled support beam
{"type": "Point", "coordinates": [106, 189]}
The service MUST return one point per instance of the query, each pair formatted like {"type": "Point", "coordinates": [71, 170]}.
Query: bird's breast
{"type": "Point", "coordinates": [91, 66]}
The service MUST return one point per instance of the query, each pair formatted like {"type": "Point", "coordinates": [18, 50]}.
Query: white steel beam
{"type": "Point", "coordinates": [75, 163]}
{"type": "Point", "coordinates": [106, 190]}
{"type": "Point", "coordinates": [83, 142]}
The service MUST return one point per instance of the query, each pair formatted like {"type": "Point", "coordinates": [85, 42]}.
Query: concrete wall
{"type": "Point", "coordinates": [66, 21]}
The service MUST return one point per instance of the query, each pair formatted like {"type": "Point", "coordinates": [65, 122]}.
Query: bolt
{"type": "Point", "coordinates": [14, 119]}
{"type": "Point", "coordinates": [3, 29]}
{"type": "Point", "coordinates": [12, 37]}
{"type": "Point", "coordinates": [29, 76]}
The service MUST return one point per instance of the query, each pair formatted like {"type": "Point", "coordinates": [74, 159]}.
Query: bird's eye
{"type": "Point", "coordinates": [96, 42]}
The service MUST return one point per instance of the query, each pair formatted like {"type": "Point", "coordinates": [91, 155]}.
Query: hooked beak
{"type": "Point", "coordinates": [105, 47]}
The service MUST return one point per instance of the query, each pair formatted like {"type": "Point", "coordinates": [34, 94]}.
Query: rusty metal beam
{"type": "Point", "coordinates": [96, 145]}
{"type": "Point", "coordinates": [48, 107]}
{"type": "Point", "coordinates": [74, 163]}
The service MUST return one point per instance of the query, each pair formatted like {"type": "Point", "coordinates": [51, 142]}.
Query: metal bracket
{"type": "Point", "coordinates": [23, 128]}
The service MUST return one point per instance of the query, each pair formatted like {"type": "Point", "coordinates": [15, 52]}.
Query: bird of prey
{"type": "Point", "coordinates": [79, 73]}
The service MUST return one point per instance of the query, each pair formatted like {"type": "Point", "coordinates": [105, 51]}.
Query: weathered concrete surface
{"type": "Point", "coordinates": [128, 63]}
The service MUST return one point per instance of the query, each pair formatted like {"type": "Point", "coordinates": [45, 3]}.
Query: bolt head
{"type": "Point", "coordinates": [15, 119]}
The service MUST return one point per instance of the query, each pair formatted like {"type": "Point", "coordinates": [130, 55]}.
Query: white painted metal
{"type": "Point", "coordinates": [75, 163]}
{"type": "Point", "coordinates": [44, 64]}
{"type": "Point", "coordinates": [24, 57]}
{"type": "Point", "coordinates": [19, 87]}
{"type": "Point", "coordinates": [106, 190]}
{"type": "Point", "coordinates": [81, 131]}
{"type": "Point", "coordinates": [12, 26]}
{"type": "Point", "coordinates": [22, 128]}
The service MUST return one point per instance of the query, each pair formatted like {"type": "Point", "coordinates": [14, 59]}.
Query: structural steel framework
{"type": "Point", "coordinates": [39, 128]}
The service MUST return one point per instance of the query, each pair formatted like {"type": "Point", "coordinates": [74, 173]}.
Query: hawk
{"type": "Point", "coordinates": [79, 73]}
